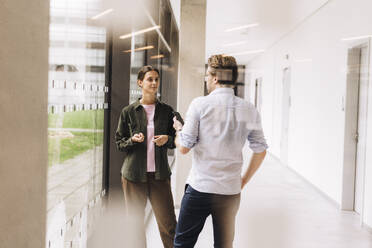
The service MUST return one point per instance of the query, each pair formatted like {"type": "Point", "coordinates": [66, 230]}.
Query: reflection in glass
{"type": "Point", "coordinates": [75, 120]}
{"type": "Point", "coordinates": [138, 59]}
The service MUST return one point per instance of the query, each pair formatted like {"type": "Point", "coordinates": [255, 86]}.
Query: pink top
{"type": "Point", "coordinates": [150, 111]}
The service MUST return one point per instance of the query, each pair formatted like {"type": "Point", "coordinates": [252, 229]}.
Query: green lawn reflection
{"type": "Point", "coordinates": [73, 133]}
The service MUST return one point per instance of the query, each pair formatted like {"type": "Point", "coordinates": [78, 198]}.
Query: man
{"type": "Point", "coordinates": [216, 128]}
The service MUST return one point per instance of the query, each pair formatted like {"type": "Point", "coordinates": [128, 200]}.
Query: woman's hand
{"type": "Point", "coordinates": [177, 125]}
{"type": "Point", "coordinates": [160, 140]}
{"type": "Point", "coordinates": [138, 138]}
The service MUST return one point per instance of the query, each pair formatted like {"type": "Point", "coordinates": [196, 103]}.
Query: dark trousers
{"type": "Point", "coordinates": [196, 207]}
{"type": "Point", "coordinates": [160, 196]}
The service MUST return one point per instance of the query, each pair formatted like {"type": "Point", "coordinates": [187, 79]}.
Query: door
{"type": "Point", "coordinates": [360, 136]}
{"type": "Point", "coordinates": [286, 103]}
{"type": "Point", "coordinates": [355, 128]}
{"type": "Point", "coordinates": [257, 94]}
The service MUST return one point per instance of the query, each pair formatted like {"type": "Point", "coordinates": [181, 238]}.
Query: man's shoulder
{"type": "Point", "coordinates": [199, 102]}
{"type": "Point", "coordinates": [199, 99]}
{"type": "Point", "coordinates": [244, 103]}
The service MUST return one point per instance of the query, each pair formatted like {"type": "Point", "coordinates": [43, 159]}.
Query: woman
{"type": "Point", "coordinates": [145, 132]}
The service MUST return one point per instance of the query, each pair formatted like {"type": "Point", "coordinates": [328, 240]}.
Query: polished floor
{"type": "Point", "coordinates": [74, 191]}
{"type": "Point", "coordinates": [279, 210]}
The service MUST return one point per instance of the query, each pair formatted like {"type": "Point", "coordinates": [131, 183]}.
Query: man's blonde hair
{"type": "Point", "coordinates": [223, 65]}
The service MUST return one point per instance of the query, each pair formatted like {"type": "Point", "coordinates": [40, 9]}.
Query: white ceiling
{"type": "Point", "coordinates": [275, 18]}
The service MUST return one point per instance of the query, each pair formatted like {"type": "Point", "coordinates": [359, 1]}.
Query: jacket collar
{"type": "Point", "coordinates": [137, 103]}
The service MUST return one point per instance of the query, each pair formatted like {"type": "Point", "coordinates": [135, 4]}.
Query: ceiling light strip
{"type": "Point", "coordinates": [242, 27]}
{"type": "Point", "coordinates": [159, 56]}
{"type": "Point", "coordinates": [125, 36]}
{"type": "Point", "coordinates": [157, 30]}
{"type": "Point", "coordinates": [139, 49]}
{"type": "Point", "coordinates": [102, 14]}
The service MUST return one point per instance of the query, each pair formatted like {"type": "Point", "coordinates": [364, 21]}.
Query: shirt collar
{"type": "Point", "coordinates": [222, 91]}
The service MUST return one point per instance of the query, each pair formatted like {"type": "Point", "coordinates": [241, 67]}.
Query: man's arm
{"type": "Point", "coordinates": [187, 134]}
{"type": "Point", "coordinates": [258, 145]}
{"type": "Point", "coordinates": [254, 164]}
{"type": "Point", "coordinates": [182, 149]}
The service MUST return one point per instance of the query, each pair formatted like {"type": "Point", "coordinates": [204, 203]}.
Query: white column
{"type": "Point", "coordinates": [191, 73]}
{"type": "Point", "coordinates": [24, 29]}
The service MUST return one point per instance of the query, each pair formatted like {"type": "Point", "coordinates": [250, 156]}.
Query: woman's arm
{"type": "Point", "coordinates": [168, 138]}
{"type": "Point", "coordinates": [123, 135]}
{"type": "Point", "coordinates": [171, 131]}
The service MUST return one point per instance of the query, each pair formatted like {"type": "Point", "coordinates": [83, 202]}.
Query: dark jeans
{"type": "Point", "coordinates": [135, 198]}
{"type": "Point", "coordinates": [196, 207]}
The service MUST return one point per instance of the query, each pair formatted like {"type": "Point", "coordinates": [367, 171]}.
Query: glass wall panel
{"type": "Point", "coordinates": [75, 120]}
{"type": "Point", "coordinates": [138, 59]}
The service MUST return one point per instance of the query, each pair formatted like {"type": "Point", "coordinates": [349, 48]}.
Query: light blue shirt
{"type": "Point", "coordinates": [217, 127]}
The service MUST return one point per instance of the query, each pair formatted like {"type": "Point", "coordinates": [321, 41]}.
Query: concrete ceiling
{"type": "Point", "coordinates": [275, 18]}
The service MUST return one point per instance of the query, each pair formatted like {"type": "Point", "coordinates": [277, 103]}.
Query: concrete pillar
{"type": "Point", "coordinates": [24, 45]}
{"type": "Point", "coordinates": [191, 73]}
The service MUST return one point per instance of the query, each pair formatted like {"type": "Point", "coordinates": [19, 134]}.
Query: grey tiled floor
{"type": "Point", "coordinates": [280, 210]}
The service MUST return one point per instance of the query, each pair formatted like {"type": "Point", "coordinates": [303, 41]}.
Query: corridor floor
{"type": "Point", "coordinates": [280, 210]}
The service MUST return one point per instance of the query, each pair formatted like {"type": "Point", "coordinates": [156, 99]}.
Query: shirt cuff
{"type": "Point", "coordinates": [258, 148]}
{"type": "Point", "coordinates": [185, 140]}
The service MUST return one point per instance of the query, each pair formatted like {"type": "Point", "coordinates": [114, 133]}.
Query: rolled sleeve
{"type": "Point", "coordinates": [256, 137]}
{"type": "Point", "coordinates": [257, 141]}
{"type": "Point", "coordinates": [187, 141]}
{"type": "Point", "coordinates": [189, 135]}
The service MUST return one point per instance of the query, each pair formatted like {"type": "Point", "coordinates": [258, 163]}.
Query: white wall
{"type": "Point", "coordinates": [317, 58]}
{"type": "Point", "coordinates": [24, 28]}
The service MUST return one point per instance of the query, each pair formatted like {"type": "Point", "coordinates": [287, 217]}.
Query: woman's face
{"type": "Point", "coordinates": [150, 82]}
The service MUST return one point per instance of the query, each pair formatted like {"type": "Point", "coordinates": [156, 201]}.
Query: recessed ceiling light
{"type": "Point", "coordinates": [125, 36]}
{"type": "Point", "coordinates": [242, 27]}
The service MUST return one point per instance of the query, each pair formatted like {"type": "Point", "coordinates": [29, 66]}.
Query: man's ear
{"type": "Point", "coordinates": [139, 82]}
{"type": "Point", "coordinates": [215, 80]}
